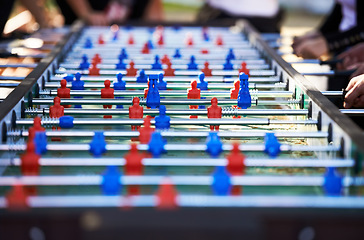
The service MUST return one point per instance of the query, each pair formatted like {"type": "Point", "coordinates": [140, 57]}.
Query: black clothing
{"type": "Point", "coordinates": [339, 41]}
{"type": "Point", "coordinates": [209, 15]}
{"type": "Point", "coordinates": [138, 8]}
{"type": "Point", "coordinates": [5, 9]}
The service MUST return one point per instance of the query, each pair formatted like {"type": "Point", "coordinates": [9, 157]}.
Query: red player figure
{"type": "Point", "coordinates": [107, 92]}
{"type": "Point", "coordinates": [214, 111]}
{"type": "Point", "coordinates": [234, 92]}
{"type": "Point", "coordinates": [219, 41]}
{"type": "Point", "coordinates": [244, 69]}
{"type": "Point", "coordinates": [56, 111]}
{"type": "Point", "coordinates": [94, 70]}
{"type": "Point", "coordinates": [206, 70]}
{"type": "Point", "coordinates": [64, 91]}
{"type": "Point", "coordinates": [204, 51]}
{"type": "Point", "coordinates": [37, 127]}
{"type": "Point", "coordinates": [17, 198]}
{"type": "Point", "coordinates": [167, 195]}
{"type": "Point", "coordinates": [189, 40]}
{"type": "Point", "coordinates": [131, 71]}
{"type": "Point", "coordinates": [165, 59]}
{"type": "Point", "coordinates": [96, 59]}
{"type": "Point", "coordinates": [169, 71]}
{"type": "Point", "coordinates": [131, 39]}
{"type": "Point", "coordinates": [145, 49]}
{"type": "Point", "coordinates": [101, 39]}
{"type": "Point", "coordinates": [194, 93]}
{"type": "Point", "coordinates": [236, 166]}
{"type": "Point", "coordinates": [161, 40]}
{"type": "Point", "coordinates": [145, 131]}
{"type": "Point", "coordinates": [133, 166]}
{"type": "Point", "coordinates": [135, 111]}
{"type": "Point", "coordinates": [30, 161]}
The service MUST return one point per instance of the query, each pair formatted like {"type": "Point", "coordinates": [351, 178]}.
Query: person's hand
{"type": "Point", "coordinates": [310, 35]}
{"type": "Point", "coordinates": [351, 57]}
{"type": "Point", "coordinates": [96, 18]}
{"type": "Point", "coordinates": [355, 95]}
{"type": "Point", "coordinates": [116, 12]}
{"type": "Point", "coordinates": [358, 67]}
{"type": "Point", "coordinates": [312, 48]}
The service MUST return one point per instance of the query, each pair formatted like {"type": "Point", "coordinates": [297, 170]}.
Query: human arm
{"type": "Point", "coordinates": [355, 93]}
{"type": "Point", "coordinates": [154, 11]}
{"type": "Point", "coordinates": [83, 10]}
{"type": "Point", "coordinates": [351, 58]}
{"type": "Point", "coordinates": [38, 11]}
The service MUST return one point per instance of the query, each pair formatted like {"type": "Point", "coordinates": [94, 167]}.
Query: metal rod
{"type": "Point", "coordinates": [16, 65]}
{"type": "Point", "coordinates": [175, 101]}
{"type": "Point", "coordinates": [193, 200]}
{"type": "Point", "coordinates": [189, 162]}
{"type": "Point", "coordinates": [254, 73]}
{"type": "Point", "coordinates": [172, 86]}
{"type": "Point", "coordinates": [176, 79]}
{"type": "Point", "coordinates": [179, 112]}
{"type": "Point", "coordinates": [177, 121]}
{"type": "Point", "coordinates": [175, 147]}
{"type": "Point", "coordinates": [239, 55]}
{"type": "Point", "coordinates": [175, 93]}
{"type": "Point", "coordinates": [353, 112]}
{"type": "Point", "coordinates": [11, 78]}
{"type": "Point", "coordinates": [251, 63]}
{"type": "Point", "coordinates": [69, 66]}
{"type": "Point", "coordinates": [179, 134]}
{"type": "Point", "coordinates": [144, 180]}
{"type": "Point", "coordinates": [346, 73]}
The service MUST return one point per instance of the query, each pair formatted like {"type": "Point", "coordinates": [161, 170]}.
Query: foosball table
{"type": "Point", "coordinates": [175, 132]}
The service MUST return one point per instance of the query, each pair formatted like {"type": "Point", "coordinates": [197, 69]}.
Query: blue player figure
{"type": "Point", "coordinates": [333, 182]}
{"type": "Point", "coordinates": [69, 77]}
{"type": "Point", "coordinates": [202, 85]}
{"type": "Point", "coordinates": [153, 98]}
{"type": "Point", "coordinates": [177, 54]}
{"type": "Point", "coordinates": [272, 145]}
{"type": "Point", "coordinates": [111, 184]}
{"type": "Point", "coordinates": [123, 54]}
{"type": "Point", "coordinates": [244, 97]}
{"type": "Point", "coordinates": [213, 144]}
{"type": "Point", "coordinates": [162, 85]}
{"type": "Point", "coordinates": [156, 65]}
{"type": "Point", "coordinates": [221, 184]}
{"type": "Point", "coordinates": [230, 55]}
{"type": "Point", "coordinates": [142, 78]}
{"type": "Point", "coordinates": [156, 144]}
{"type": "Point", "coordinates": [121, 65]}
{"type": "Point", "coordinates": [88, 43]}
{"type": "Point", "coordinates": [78, 84]}
{"type": "Point", "coordinates": [84, 65]}
{"type": "Point", "coordinates": [150, 44]}
{"type": "Point", "coordinates": [162, 121]}
{"type": "Point", "coordinates": [228, 65]}
{"type": "Point", "coordinates": [119, 85]}
{"type": "Point", "coordinates": [192, 64]}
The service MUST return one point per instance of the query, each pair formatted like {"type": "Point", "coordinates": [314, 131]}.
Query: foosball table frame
{"type": "Point", "coordinates": [283, 221]}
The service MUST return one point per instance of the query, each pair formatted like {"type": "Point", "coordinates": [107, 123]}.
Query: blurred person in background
{"type": "Point", "coordinates": [103, 13]}
{"type": "Point", "coordinates": [35, 7]}
{"type": "Point", "coordinates": [342, 28]}
{"type": "Point", "coordinates": [264, 15]}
